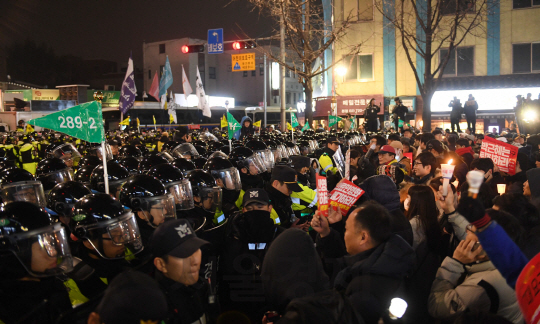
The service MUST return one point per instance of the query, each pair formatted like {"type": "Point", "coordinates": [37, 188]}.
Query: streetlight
{"type": "Point", "coordinates": [341, 71]}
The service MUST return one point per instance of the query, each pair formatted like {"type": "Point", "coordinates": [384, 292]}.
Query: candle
{"type": "Point", "coordinates": [501, 188]}
{"type": "Point", "coordinates": [447, 172]}
{"type": "Point", "coordinates": [475, 180]}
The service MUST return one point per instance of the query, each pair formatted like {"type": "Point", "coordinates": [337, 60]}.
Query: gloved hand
{"type": "Point", "coordinates": [472, 209]}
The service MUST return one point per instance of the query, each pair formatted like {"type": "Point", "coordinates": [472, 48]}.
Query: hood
{"type": "Point", "coordinates": [292, 269]}
{"type": "Point", "coordinates": [383, 190]}
{"type": "Point", "coordinates": [246, 118]}
{"type": "Point", "coordinates": [533, 176]}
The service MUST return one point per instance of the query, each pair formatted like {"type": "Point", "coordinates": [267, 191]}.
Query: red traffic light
{"type": "Point", "coordinates": [236, 45]}
{"type": "Point", "coordinates": [185, 49]}
{"type": "Point", "coordinates": [192, 49]}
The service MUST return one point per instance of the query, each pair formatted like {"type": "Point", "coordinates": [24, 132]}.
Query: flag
{"type": "Point", "coordinates": [154, 117]}
{"type": "Point", "coordinates": [294, 120]}
{"type": "Point", "coordinates": [125, 122]}
{"type": "Point", "coordinates": [353, 123]}
{"type": "Point", "coordinates": [203, 102]}
{"type": "Point", "coordinates": [232, 125]}
{"type": "Point", "coordinates": [154, 88]}
{"type": "Point", "coordinates": [129, 90]}
{"type": "Point", "coordinates": [332, 120]}
{"type": "Point", "coordinates": [29, 129]}
{"type": "Point", "coordinates": [171, 111]}
{"type": "Point", "coordinates": [306, 126]}
{"type": "Point", "coordinates": [258, 124]}
{"type": "Point", "coordinates": [138, 122]}
{"type": "Point", "coordinates": [166, 78]}
{"type": "Point", "coordinates": [185, 84]}
{"type": "Point", "coordinates": [84, 121]}
{"type": "Point", "coordinates": [163, 102]}
{"type": "Point", "coordinates": [223, 121]}
{"type": "Point", "coordinates": [289, 127]}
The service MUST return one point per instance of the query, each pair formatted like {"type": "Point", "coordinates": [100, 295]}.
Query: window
{"type": "Point", "coordinates": [161, 48]}
{"type": "Point", "coordinates": [448, 7]}
{"type": "Point", "coordinates": [287, 98]}
{"type": "Point", "coordinates": [212, 73]}
{"type": "Point", "coordinates": [358, 10]}
{"type": "Point", "coordinates": [245, 74]}
{"type": "Point", "coordinates": [253, 73]}
{"type": "Point", "coordinates": [294, 97]}
{"type": "Point", "coordinates": [261, 69]}
{"type": "Point", "coordinates": [460, 64]}
{"type": "Point", "coordinates": [526, 58]}
{"type": "Point", "coordinates": [517, 4]}
{"type": "Point", "coordinates": [359, 67]}
{"type": "Point", "coordinates": [149, 74]}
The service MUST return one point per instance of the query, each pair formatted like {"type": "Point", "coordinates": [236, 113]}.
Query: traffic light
{"type": "Point", "coordinates": [238, 45]}
{"type": "Point", "coordinates": [192, 49]}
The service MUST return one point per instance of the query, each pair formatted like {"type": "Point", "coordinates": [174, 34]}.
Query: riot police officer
{"type": "Point", "coordinates": [370, 116]}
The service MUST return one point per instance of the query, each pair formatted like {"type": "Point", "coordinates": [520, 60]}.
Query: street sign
{"type": "Point", "coordinates": [215, 41]}
{"type": "Point", "coordinates": [243, 62]}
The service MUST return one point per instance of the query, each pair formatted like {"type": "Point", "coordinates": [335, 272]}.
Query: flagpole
{"type": "Point", "coordinates": [292, 128]}
{"type": "Point", "coordinates": [98, 96]}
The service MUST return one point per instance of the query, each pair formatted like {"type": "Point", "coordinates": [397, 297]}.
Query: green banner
{"type": "Point", "coordinates": [83, 121]}
{"type": "Point", "coordinates": [353, 123]}
{"type": "Point", "coordinates": [306, 126]}
{"type": "Point", "coordinates": [332, 120]}
{"type": "Point", "coordinates": [233, 125]}
{"type": "Point", "coordinates": [294, 120]}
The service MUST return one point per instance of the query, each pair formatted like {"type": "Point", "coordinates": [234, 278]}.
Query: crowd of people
{"type": "Point", "coordinates": [189, 227]}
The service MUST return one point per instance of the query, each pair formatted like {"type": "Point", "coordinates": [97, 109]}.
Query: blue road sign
{"type": "Point", "coordinates": [215, 41]}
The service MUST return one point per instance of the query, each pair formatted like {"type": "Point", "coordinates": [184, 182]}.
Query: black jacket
{"type": "Point", "coordinates": [282, 204]}
{"type": "Point", "coordinates": [515, 182]}
{"type": "Point", "coordinates": [370, 279]}
{"type": "Point", "coordinates": [457, 110]}
{"type": "Point", "coordinates": [371, 112]}
{"type": "Point", "coordinates": [400, 110]}
{"type": "Point", "coordinates": [470, 108]}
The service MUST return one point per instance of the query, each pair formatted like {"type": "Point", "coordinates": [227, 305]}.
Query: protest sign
{"type": "Point", "coordinates": [528, 289]}
{"type": "Point", "coordinates": [503, 155]}
{"type": "Point", "coordinates": [322, 195]}
{"type": "Point", "coordinates": [339, 161]}
{"type": "Point", "coordinates": [345, 195]}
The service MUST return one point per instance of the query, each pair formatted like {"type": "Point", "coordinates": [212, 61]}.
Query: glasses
{"type": "Point", "coordinates": [417, 163]}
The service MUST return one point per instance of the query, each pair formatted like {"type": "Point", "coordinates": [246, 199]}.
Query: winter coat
{"type": "Point", "coordinates": [400, 111]}
{"type": "Point", "coordinates": [467, 154]}
{"type": "Point", "coordinates": [470, 108]}
{"type": "Point", "coordinates": [290, 273]}
{"type": "Point", "coordinates": [246, 131]}
{"type": "Point", "coordinates": [457, 110]}
{"type": "Point", "coordinates": [383, 190]}
{"type": "Point", "coordinates": [483, 290]}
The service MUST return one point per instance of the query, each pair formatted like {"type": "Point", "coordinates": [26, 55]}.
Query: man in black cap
{"type": "Point", "coordinates": [326, 159]}
{"type": "Point", "coordinates": [177, 258]}
{"type": "Point", "coordinates": [399, 112]}
{"type": "Point", "coordinates": [305, 201]}
{"type": "Point", "coordinates": [282, 183]}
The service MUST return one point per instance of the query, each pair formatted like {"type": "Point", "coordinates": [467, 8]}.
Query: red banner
{"type": "Point", "coordinates": [322, 195]}
{"type": "Point", "coordinates": [345, 195]}
{"type": "Point", "coordinates": [503, 155]}
{"type": "Point", "coordinates": [354, 105]}
{"type": "Point", "coordinates": [527, 290]}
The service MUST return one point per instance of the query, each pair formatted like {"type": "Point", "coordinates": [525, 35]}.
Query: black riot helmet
{"type": "Point", "coordinates": [206, 194]}
{"type": "Point", "coordinates": [185, 150]}
{"type": "Point", "coordinates": [98, 218]}
{"type": "Point", "coordinates": [89, 161]}
{"type": "Point", "coordinates": [83, 175]}
{"type": "Point", "coordinates": [66, 152]}
{"type": "Point", "coordinates": [262, 150]}
{"type": "Point", "coordinates": [169, 146]}
{"type": "Point", "coordinates": [146, 194]}
{"type": "Point", "coordinates": [129, 151]}
{"type": "Point", "coordinates": [243, 157]}
{"type": "Point", "coordinates": [116, 173]}
{"type": "Point", "coordinates": [6, 163]}
{"type": "Point", "coordinates": [63, 196]}
{"type": "Point", "coordinates": [175, 183]}
{"type": "Point", "coordinates": [20, 185]}
{"type": "Point", "coordinates": [52, 171]}
{"type": "Point", "coordinates": [199, 162]}
{"type": "Point", "coordinates": [201, 150]}
{"type": "Point", "coordinates": [184, 165]}
{"type": "Point", "coordinates": [225, 174]}
{"type": "Point", "coordinates": [29, 235]}
{"type": "Point", "coordinates": [131, 164]}
{"type": "Point", "coordinates": [149, 161]}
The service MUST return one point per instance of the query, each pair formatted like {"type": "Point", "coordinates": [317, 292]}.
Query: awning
{"type": "Point", "coordinates": [354, 105]}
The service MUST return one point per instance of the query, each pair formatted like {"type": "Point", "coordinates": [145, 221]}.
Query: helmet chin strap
{"type": "Point", "coordinates": [149, 220]}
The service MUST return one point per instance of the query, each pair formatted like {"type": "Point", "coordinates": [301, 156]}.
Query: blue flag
{"type": "Point", "coordinates": [129, 90]}
{"type": "Point", "coordinates": [166, 78]}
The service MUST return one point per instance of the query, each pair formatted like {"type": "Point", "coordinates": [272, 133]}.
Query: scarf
{"type": "Point", "coordinates": [464, 150]}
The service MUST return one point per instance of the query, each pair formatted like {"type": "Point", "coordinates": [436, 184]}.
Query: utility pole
{"type": "Point", "coordinates": [264, 99]}
{"type": "Point", "coordinates": [283, 70]}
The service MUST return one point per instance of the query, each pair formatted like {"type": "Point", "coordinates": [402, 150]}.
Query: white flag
{"type": "Point", "coordinates": [203, 102]}
{"type": "Point", "coordinates": [185, 83]}
{"type": "Point", "coordinates": [170, 109]}
{"type": "Point", "coordinates": [163, 101]}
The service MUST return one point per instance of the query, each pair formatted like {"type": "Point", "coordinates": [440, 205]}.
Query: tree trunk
{"type": "Point", "coordinates": [309, 104]}
{"type": "Point", "coordinates": [426, 113]}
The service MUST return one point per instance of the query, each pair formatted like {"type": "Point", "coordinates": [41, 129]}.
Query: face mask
{"type": "Point", "coordinates": [257, 214]}
{"type": "Point", "coordinates": [407, 203]}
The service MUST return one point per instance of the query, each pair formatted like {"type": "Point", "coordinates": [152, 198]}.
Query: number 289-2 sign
{"type": "Point", "coordinates": [83, 121]}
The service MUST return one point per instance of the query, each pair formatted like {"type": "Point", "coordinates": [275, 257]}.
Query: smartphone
{"type": "Point", "coordinates": [475, 246]}
{"type": "Point", "coordinates": [305, 219]}
{"type": "Point", "coordinates": [272, 317]}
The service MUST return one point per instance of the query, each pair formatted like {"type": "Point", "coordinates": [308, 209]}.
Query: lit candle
{"type": "Point", "coordinates": [501, 188]}
{"type": "Point", "coordinates": [447, 172]}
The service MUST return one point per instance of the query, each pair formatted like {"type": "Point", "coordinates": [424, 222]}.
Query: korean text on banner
{"type": "Point", "coordinates": [322, 195]}
{"type": "Point", "coordinates": [345, 195]}
{"type": "Point", "coordinates": [83, 121]}
{"type": "Point", "coordinates": [503, 155]}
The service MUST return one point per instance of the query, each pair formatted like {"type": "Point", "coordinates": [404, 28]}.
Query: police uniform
{"type": "Point", "coordinates": [326, 159]}
{"type": "Point", "coordinates": [370, 115]}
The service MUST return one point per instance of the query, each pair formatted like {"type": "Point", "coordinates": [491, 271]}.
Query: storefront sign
{"type": "Point", "coordinates": [503, 155]}
{"type": "Point", "coordinates": [353, 105]}
{"type": "Point", "coordinates": [46, 94]}
{"type": "Point", "coordinates": [345, 195]}
{"type": "Point", "coordinates": [109, 97]}
{"type": "Point", "coordinates": [194, 126]}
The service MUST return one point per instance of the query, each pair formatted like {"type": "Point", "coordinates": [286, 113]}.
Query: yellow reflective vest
{"type": "Point", "coordinates": [304, 201]}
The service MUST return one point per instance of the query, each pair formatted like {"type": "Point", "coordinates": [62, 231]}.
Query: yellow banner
{"type": "Point", "coordinates": [125, 122]}
{"type": "Point", "coordinates": [258, 124]}
{"type": "Point", "coordinates": [224, 121]}
{"type": "Point", "coordinates": [289, 127]}
{"type": "Point", "coordinates": [154, 117]}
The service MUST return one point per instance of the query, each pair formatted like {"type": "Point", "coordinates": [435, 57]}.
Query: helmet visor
{"type": "Point", "coordinates": [218, 154]}
{"type": "Point", "coordinates": [166, 156]}
{"type": "Point", "coordinates": [227, 178]}
{"type": "Point", "coordinates": [68, 153]}
{"type": "Point", "coordinates": [123, 235]}
{"type": "Point", "coordinates": [254, 164]}
{"type": "Point", "coordinates": [284, 152]}
{"type": "Point", "coordinates": [182, 193]}
{"type": "Point", "coordinates": [277, 155]}
{"type": "Point", "coordinates": [160, 209]}
{"type": "Point", "coordinates": [57, 177]}
{"type": "Point", "coordinates": [44, 252]}
{"type": "Point", "coordinates": [267, 157]}
{"type": "Point", "coordinates": [186, 151]}
{"type": "Point", "coordinates": [29, 191]}
{"type": "Point", "coordinates": [210, 199]}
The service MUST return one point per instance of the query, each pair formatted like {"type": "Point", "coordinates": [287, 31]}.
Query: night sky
{"type": "Point", "coordinates": [110, 29]}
